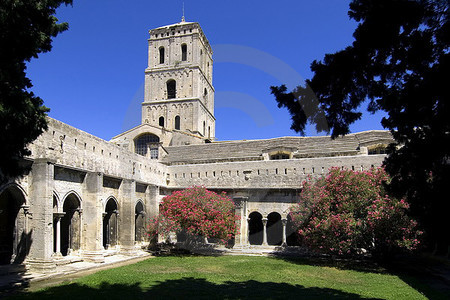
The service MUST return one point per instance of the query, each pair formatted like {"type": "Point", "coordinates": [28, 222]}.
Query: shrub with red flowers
{"type": "Point", "coordinates": [349, 212]}
{"type": "Point", "coordinates": [197, 212]}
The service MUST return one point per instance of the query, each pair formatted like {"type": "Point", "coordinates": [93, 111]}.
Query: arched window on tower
{"type": "Point", "coordinates": [171, 89]}
{"type": "Point", "coordinates": [204, 128]}
{"type": "Point", "coordinates": [205, 96]}
{"type": "Point", "coordinates": [183, 52]}
{"type": "Point", "coordinates": [177, 122]}
{"type": "Point", "coordinates": [161, 55]}
{"type": "Point", "coordinates": [161, 121]}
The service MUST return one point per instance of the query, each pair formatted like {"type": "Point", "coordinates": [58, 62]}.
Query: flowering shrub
{"type": "Point", "coordinates": [349, 212]}
{"type": "Point", "coordinates": [196, 211]}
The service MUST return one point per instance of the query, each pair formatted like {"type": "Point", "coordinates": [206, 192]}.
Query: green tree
{"type": "Point", "coordinates": [398, 63]}
{"type": "Point", "coordinates": [26, 29]}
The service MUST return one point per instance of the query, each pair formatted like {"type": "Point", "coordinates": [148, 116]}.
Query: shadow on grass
{"type": "Point", "coordinates": [190, 288]}
{"type": "Point", "coordinates": [415, 272]}
{"type": "Point", "coordinates": [360, 264]}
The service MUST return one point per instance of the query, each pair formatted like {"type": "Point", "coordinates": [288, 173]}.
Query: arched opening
{"type": "Point", "coordinates": [161, 121]}
{"type": "Point", "coordinates": [205, 96]}
{"type": "Point", "coordinates": [255, 228]}
{"type": "Point", "coordinates": [209, 132]}
{"type": "Point", "coordinates": [177, 122]}
{"type": "Point", "coordinates": [274, 229]}
{"type": "Point", "coordinates": [204, 128]}
{"type": "Point", "coordinates": [71, 225]}
{"type": "Point", "coordinates": [110, 224]}
{"type": "Point", "coordinates": [183, 52]}
{"type": "Point", "coordinates": [291, 233]}
{"type": "Point", "coordinates": [145, 142]}
{"type": "Point", "coordinates": [13, 238]}
{"type": "Point", "coordinates": [171, 89]}
{"type": "Point", "coordinates": [139, 229]}
{"type": "Point", "coordinates": [161, 55]}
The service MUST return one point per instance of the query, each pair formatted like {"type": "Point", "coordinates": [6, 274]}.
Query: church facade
{"type": "Point", "coordinates": [86, 198]}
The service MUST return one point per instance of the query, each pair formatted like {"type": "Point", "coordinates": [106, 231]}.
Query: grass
{"type": "Point", "coordinates": [233, 277]}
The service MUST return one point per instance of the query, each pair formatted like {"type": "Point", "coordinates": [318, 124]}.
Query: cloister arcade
{"type": "Point", "coordinates": [270, 230]}
{"type": "Point", "coordinates": [67, 224]}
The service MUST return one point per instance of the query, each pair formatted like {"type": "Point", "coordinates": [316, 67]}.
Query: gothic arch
{"type": "Point", "coordinates": [71, 223]}
{"type": "Point", "coordinates": [58, 201]}
{"type": "Point", "coordinates": [14, 239]}
{"type": "Point", "coordinates": [110, 198]}
{"type": "Point", "coordinates": [139, 221]}
{"type": "Point", "coordinates": [71, 192]}
{"type": "Point", "coordinates": [110, 222]}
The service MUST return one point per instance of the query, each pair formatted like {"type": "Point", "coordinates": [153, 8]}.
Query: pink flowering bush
{"type": "Point", "coordinates": [348, 212]}
{"type": "Point", "coordinates": [197, 212]}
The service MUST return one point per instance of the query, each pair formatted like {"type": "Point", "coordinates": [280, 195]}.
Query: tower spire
{"type": "Point", "coordinates": [182, 17]}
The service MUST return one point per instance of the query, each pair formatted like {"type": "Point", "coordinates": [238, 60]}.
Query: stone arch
{"type": "Point", "coordinates": [14, 240]}
{"type": "Point", "coordinates": [144, 141]}
{"type": "Point", "coordinates": [139, 222]}
{"type": "Point", "coordinates": [110, 223]}
{"type": "Point", "coordinates": [177, 122]}
{"type": "Point", "coordinates": [71, 224]}
{"type": "Point", "coordinates": [292, 238]}
{"type": "Point", "coordinates": [255, 228]}
{"type": "Point", "coordinates": [56, 202]}
{"type": "Point", "coordinates": [183, 52]}
{"type": "Point", "coordinates": [161, 54]}
{"type": "Point", "coordinates": [274, 229]}
{"type": "Point", "coordinates": [171, 85]}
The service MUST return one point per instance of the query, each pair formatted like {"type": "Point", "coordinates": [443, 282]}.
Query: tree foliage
{"type": "Point", "coordinates": [398, 63]}
{"type": "Point", "coordinates": [27, 28]}
{"type": "Point", "coordinates": [197, 212]}
{"type": "Point", "coordinates": [348, 211]}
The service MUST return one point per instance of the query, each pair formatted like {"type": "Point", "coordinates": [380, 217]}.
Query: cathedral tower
{"type": "Point", "coordinates": [179, 94]}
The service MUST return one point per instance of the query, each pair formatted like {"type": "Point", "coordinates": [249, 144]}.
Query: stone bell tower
{"type": "Point", "coordinates": [179, 94]}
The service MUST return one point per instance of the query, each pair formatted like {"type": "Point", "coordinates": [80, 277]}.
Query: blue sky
{"type": "Point", "coordinates": [93, 77]}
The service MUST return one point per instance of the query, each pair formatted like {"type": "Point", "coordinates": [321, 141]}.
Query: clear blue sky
{"type": "Point", "coordinates": [93, 77]}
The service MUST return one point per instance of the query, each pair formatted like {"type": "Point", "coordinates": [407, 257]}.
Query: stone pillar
{"type": "Point", "coordinates": [284, 222]}
{"type": "Point", "coordinates": [240, 210]}
{"type": "Point", "coordinates": [92, 243]}
{"type": "Point", "coordinates": [264, 220]}
{"type": "Point", "coordinates": [127, 195]}
{"type": "Point", "coordinates": [247, 231]}
{"type": "Point", "coordinates": [57, 219]}
{"type": "Point", "coordinates": [151, 201]}
{"type": "Point", "coordinates": [41, 206]}
{"type": "Point", "coordinates": [238, 213]}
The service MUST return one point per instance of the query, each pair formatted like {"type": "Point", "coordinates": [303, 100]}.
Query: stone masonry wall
{"type": "Point", "coordinates": [264, 174]}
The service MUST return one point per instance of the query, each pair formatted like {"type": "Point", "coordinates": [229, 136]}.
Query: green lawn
{"type": "Point", "coordinates": [235, 277]}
